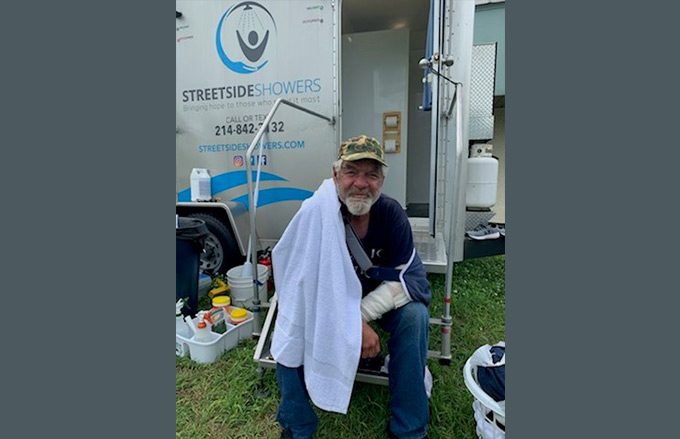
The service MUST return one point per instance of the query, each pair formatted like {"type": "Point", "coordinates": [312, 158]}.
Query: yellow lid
{"type": "Point", "coordinates": [221, 301]}
{"type": "Point", "coordinates": [238, 313]}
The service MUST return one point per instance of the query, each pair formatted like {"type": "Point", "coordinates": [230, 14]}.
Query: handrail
{"type": "Point", "coordinates": [251, 208]}
{"type": "Point", "coordinates": [455, 207]}
{"type": "Point", "coordinates": [453, 100]}
{"type": "Point", "coordinates": [453, 215]}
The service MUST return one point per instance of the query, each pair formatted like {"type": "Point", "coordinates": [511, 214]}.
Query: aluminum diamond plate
{"type": "Point", "coordinates": [483, 77]}
{"type": "Point", "coordinates": [481, 128]}
{"type": "Point", "coordinates": [475, 218]}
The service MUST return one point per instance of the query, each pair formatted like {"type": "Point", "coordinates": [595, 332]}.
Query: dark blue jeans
{"type": "Point", "coordinates": [408, 329]}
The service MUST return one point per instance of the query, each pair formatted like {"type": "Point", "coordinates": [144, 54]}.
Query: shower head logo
{"type": "Point", "coordinates": [245, 36]}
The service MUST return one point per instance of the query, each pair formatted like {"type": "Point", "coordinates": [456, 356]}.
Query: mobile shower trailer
{"type": "Point", "coordinates": [266, 90]}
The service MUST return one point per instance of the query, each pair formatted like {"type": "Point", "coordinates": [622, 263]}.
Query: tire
{"type": "Point", "coordinates": [220, 252]}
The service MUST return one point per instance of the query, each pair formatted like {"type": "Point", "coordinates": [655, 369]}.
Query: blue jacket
{"type": "Point", "coordinates": [389, 243]}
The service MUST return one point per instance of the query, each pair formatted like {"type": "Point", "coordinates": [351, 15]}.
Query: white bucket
{"type": "Point", "coordinates": [242, 287]}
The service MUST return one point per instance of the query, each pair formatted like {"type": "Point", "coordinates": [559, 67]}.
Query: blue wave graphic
{"type": "Point", "coordinates": [275, 195]}
{"type": "Point", "coordinates": [229, 180]}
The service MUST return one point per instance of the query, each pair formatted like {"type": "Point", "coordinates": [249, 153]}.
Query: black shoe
{"type": "Point", "coordinates": [372, 364]}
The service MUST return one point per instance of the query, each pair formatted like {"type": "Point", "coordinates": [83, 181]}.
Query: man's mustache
{"type": "Point", "coordinates": [362, 193]}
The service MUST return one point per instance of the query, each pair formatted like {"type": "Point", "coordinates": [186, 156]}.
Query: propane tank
{"type": "Point", "coordinates": [482, 178]}
{"type": "Point", "coordinates": [200, 185]}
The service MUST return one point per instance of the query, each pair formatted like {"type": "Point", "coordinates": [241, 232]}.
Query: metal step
{"type": "Point", "coordinates": [431, 250]}
{"type": "Point", "coordinates": [264, 359]}
{"type": "Point", "coordinates": [365, 377]}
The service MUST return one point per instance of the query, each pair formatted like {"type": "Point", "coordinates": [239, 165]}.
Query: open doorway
{"type": "Point", "coordinates": [382, 42]}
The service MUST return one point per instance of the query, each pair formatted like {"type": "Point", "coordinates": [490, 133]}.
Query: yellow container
{"type": "Point", "coordinates": [237, 315]}
{"type": "Point", "coordinates": [220, 301]}
{"type": "Point", "coordinates": [223, 303]}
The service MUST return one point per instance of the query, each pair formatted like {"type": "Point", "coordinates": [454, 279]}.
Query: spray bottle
{"type": "Point", "coordinates": [203, 332]}
{"type": "Point", "coordinates": [181, 327]}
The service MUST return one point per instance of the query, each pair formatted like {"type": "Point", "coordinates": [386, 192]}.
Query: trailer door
{"type": "Point", "coordinates": [452, 33]}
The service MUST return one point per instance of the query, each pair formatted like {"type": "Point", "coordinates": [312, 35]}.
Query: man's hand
{"type": "Point", "coordinates": [370, 342]}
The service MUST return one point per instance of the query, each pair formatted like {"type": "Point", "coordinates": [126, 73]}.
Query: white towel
{"type": "Point", "coordinates": [319, 299]}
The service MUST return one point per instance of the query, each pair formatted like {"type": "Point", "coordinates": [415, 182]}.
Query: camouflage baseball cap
{"type": "Point", "coordinates": [361, 147]}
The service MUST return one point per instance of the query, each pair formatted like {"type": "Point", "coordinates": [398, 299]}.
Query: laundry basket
{"type": "Point", "coordinates": [489, 414]}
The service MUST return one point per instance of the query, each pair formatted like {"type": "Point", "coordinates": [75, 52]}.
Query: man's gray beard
{"type": "Point", "coordinates": [357, 206]}
{"type": "Point", "coordinates": [360, 206]}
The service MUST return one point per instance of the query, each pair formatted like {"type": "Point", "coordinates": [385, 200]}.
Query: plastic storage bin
{"type": "Point", "coordinates": [489, 414]}
{"type": "Point", "coordinates": [208, 352]}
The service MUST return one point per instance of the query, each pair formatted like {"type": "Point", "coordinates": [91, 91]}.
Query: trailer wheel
{"type": "Point", "coordinates": [220, 252]}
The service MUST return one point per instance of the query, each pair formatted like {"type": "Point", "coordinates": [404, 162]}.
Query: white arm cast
{"type": "Point", "coordinates": [388, 296]}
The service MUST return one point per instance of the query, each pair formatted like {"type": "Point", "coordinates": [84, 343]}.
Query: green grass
{"type": "Point", "coordinates": [219, 400]}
